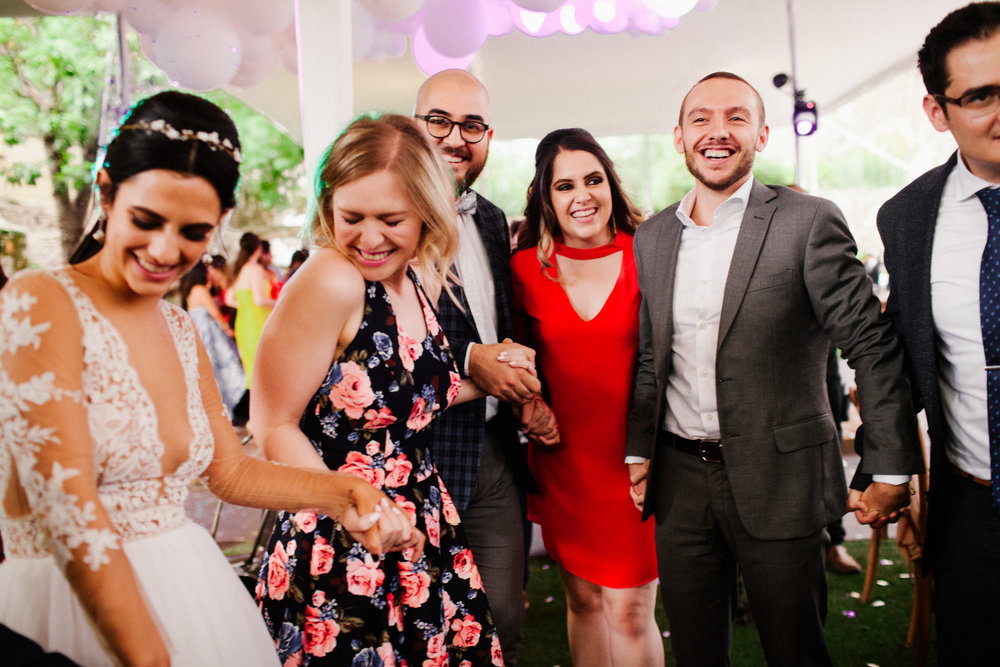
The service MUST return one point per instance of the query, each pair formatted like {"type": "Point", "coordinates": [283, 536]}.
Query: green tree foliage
{"type": "Point", "coordinates": [52, 76]}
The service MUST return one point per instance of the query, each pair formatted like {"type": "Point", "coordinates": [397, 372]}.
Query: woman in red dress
{"type": "Point", "coordinates": [576, 293]}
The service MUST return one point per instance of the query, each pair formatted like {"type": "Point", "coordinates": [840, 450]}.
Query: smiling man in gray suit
{"type": "Point", "coordinates": [731, 444]}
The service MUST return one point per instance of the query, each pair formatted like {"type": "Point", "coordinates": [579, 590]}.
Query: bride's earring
{"type": "Point", "coordinates": [98, 233]}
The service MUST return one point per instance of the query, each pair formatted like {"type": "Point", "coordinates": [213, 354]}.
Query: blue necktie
{"type": "Point", "coordinates": [989, 320]}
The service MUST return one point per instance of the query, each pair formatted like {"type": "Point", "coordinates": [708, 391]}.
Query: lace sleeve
{"type": "Point", "coordinates": [48, 478]}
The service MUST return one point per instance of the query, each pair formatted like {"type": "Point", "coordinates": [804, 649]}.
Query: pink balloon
{"type": "Point", "coordinates": [498, 21]}
{"type": "Point", "coordinates": [455, 28]}
{"type": "Point", "coordinates": [286, 45]}
{"type": "Point", "coordinates": [62, 6]}
{"type": "Point", "coordinates": [109, 5]}
{"type": "Point", "coordinates": [430, 61]}
{"type": "Point", "coordinates": [198, 50]}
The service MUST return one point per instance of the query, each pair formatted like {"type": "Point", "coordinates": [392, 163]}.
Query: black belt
{"type": "Point", "coordinates": [709, 451]}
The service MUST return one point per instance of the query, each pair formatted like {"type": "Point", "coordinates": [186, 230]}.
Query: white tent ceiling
{"type": "Point", "coordinates": [621, 84]}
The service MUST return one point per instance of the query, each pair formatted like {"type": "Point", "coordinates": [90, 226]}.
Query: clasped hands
{"type": "Point", "coordinates": [880, 503]}
{"type": "Point", "coordinates": [379, 524]}
{"type": "Point", "coordinates": [507, 370]}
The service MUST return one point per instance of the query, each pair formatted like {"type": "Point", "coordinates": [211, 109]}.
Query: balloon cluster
{"type": "Point", "coordinates": [205, 44]}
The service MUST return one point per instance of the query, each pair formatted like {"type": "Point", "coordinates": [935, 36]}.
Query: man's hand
{"type": "Point", "coordinates": [538, 422]}
{"type": "Point", "coordinates": [509, 377]}
{"type": "Point", "coordinates": [880, 503]}
{"type": "Point", "coordinates": [637, 474]}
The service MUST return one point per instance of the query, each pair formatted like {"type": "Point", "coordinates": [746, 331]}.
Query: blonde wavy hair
{"type": "Point", "coordinates": [393, 143]}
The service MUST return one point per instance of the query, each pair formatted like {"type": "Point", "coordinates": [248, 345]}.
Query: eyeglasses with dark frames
{"type": "Point", "coordinates": [979, 102]}
{"type": "Point", "coordinates": [439, 127]}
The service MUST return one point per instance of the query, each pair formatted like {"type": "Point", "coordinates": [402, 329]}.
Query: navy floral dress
{"type": "Point", "coordinates": [324, 597]}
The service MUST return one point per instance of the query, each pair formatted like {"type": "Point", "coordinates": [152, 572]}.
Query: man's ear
{"type": "Point", "coordinates": [936, 113]}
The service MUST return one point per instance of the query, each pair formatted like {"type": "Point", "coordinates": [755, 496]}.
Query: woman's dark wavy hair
{"type": "Point", "coordinates": [197, 275]}
{"type": "Point", "coordinates": [540, 225]}
{"type": "Point", "coordinates": [134, 151]}
{"type": "Point", "coordinates": [249, 243]}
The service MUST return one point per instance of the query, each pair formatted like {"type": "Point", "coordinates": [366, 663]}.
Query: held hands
{"type": "Point", "coordinates": [378, 524]}
{"type": "Point", "coordinates": [538, 422]}
{"type": "Point", "coordinates": [880, 503]}
{"type": "Point", "coordinates": [505, 370]}
{"type": "Point", "coordinates": [637, 474]}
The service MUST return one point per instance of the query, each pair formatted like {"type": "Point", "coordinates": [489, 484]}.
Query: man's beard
{"type": "Point", "coordinates": [744, 167]}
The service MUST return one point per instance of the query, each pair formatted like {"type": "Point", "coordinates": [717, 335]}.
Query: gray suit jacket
{"type": "Point", "coordinates": [794, 285]}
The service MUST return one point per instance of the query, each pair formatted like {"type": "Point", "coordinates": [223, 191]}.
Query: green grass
{"type": "Point", "coordinates": [874, 635]}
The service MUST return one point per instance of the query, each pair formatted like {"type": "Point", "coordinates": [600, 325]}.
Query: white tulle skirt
{"type": "Point", "coordinates": [203, 609]}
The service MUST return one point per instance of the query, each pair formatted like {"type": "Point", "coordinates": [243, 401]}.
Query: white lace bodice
{"type": "Point", "coordinates": [127, 450]}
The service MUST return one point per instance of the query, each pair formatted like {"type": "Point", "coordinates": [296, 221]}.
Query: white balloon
{"type": "Point", "coordinates": [62, 6]}
{"type": "Point", "coordinates": [390, 44]}
{"type": "Point", "coordinates": [198, 50]}
{"type": "Point", "coordinates": [263, 17]}
{"type": "Point", "coordinates": [287, 47]}
{"type": "Point", "coordinates": [455, 28]}
{"type": "Point", "coordinates": [146, 16]}
{"type": "Point", "coordinates": [252, 72]}
{"type": "Point", "coordinates": [362, 33]}
{"type": "Point", "coordinates": [539, 5]}
{"type": "Point", "coordinates": [392, 10]}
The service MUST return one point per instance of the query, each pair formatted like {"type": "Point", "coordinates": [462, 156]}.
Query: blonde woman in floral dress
{"type": "Point", "coordinates": [352, 371]}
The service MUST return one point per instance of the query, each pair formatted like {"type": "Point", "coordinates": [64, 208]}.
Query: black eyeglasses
{"type": "Point", "coordinates": [440, 127]}
{"type": "Point", "coordinates": [978, 102]}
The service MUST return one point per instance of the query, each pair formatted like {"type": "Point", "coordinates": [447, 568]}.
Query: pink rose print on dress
{"type": "Point", "coordinates": [320, 635]}
{"type": "Point", "coordinates": [448, 507]}
{"type": "Point", "coordinates": [277, 571]}
{"type": "Point", "coordinates": [496, 654]}
{"type": "Point", "coordinates": [293, 660]}
{"type": "Point", "coordinates": [380, 419]}
{"type": "Point", "coordinates": [450, 608]}
{"type": "Point", "coordinates": [431, 319]}
{"type": "Point", "coordinates": [455, 383]}
{"type": "Point", "coordinates": [416, 584]}
{"type": "Point", "coordinates": [432, 523]}
{"type": "Point", "coordinates": [305, 520]}
{"type": "Point", "coordinates": [466, 630]}
{"type": "Point", "coordinates": [354, 391]}
{"type": "Point", "coordinates": [398, 472]}
{"type": "Point", "coordinates": [393, 611]}
{"type": "Point", "coordinates": [322, 557]}
{"type": "Point", "coordinates": [386, 654]}
{"type": "Point", "coordinates": [360, 465]}
{"type": "Point", "coordinates": [409, 350]}
{"type": "Point", "coordinates": [466, 569]}
{"type": "Point", "coordinates": [363, 576]}
{"type": "Point", "coordinates": [408, 507]}
{"type": "Point", "coordinates": [437, 652]}
{"type": "Point", "coordinates": [419, 415]}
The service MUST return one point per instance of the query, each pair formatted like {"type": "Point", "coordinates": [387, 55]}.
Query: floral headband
{"type": "Point", "coordinates": [210, 139]}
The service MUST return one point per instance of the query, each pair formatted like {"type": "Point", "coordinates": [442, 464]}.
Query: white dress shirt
{"type": "Point", "coordinates": [699, 284]}
{"type": "Point", "coordinates": [959, 240]}
{"type": "Point", "coordinates": [477, 283]}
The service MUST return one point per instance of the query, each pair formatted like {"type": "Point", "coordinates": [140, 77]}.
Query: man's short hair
{"type": "Point", "coordinates": [721, 75]}
{"type": "Point", "coordinates": [978, 20]}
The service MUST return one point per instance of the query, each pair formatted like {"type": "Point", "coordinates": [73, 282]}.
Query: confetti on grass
{"type": "Point", "coordinates": [882, 582]}
{"type": "Point", "coordinates": [878, 603]}
{"type": "Point", "coordinates": [666, 634]}
{"type": "Point", "coordinates": [549, 599]}
{"type": "Point", "coordinates": [854, 594]}
{"type": "Point", "coordinates": [849, 613]}
{"type": "Point", "coordinates": [885, 561]}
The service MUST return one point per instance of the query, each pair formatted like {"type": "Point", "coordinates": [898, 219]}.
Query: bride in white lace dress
{"type": "Point", "coordinates": [108, 410]}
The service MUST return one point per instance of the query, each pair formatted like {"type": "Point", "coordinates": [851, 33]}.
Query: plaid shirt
{"type": "Point", "coordinates": [460, 431]}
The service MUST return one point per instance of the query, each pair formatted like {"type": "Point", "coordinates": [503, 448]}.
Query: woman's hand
{"type": "Point", "coordinates": [378, 523]}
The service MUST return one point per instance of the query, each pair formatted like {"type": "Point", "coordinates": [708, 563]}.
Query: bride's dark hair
{"type": "Point", "coordinates": [175, 131]}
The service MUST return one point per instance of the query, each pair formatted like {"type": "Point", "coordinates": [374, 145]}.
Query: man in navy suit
{"type": "Point", "coordinates": [475, 444]}
{"type": "Point", "coordinates": [934, 232]}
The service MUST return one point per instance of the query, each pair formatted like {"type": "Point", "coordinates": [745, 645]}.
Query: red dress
{"type": "Point", "coordinates": [589, 524]}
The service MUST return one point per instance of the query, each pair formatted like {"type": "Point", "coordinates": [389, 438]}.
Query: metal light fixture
{"type": "Point", "coordinates": [804, 117]}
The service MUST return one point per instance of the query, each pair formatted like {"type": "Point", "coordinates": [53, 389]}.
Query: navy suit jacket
{"type": "Point", "coordinates": [906, 223]}
{"type": "Point", "coordinates": [461, 430]}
